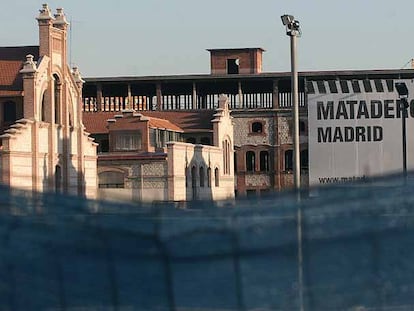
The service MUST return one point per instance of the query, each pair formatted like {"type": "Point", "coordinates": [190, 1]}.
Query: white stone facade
{"type": "Point", "coordinates": [48, 149]}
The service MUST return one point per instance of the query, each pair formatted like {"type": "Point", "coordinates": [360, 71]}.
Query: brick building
{"type": "Point", "coordinates": [260, 103]}
{"type": "Point", "coordinates": [44, 146]}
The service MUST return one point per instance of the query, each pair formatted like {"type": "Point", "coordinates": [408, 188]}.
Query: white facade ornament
{"type": "Point", "coordinates": [60, 18]}
{"type": "Point", "coordinates": [45, 13]}
{"type": "Point", "coordinates": [77, 76]}
{"type": "Point", "coordinates": [29, 65]}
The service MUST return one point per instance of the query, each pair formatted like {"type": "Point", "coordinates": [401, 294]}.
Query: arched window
{"type": "Point", "coordinates": [288, 160]}
{"type": "Point", "coordinates": [9, 112]}
{"type": "Point", "coordinates": [226, 157]}
{"type": "Point", "coordinates": [304, 160]}
{"type": "Point", "coordinates": [111, 179]}
{"type": "Point", "coordinates": [57, 98]}
{"type": "Point", "coordinates": [186, 176]}
{"type": "Point", "coordinates": [250, 161]}
{"type": "Point", "coordinates": [209, 177]}
{"type": "Point", "coordinates": [201, 173]}
{"type": "Point", "coordinates": [43, 108]}
{"type": "Point", "coordinates": [193, 177]}
{"type": "Point", "coordinates": [257, 127]}
{"type": "Point", "coordinates": [264, 161]}
{"type": "Point", "coordinates": [58, 179]}
{"type": "Point", "coordinates": [216, 177]}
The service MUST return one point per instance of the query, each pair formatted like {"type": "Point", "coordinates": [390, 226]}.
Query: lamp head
{"type": "Point", "coordinates": [287, 19]}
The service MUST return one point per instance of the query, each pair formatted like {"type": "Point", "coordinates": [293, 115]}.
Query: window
{"type": "Point", "coordinates": [43, 108]}
{"type": "Point", "coordinates": [367, 85]}
{"type": "Point", "coordinates": [344, 86]}
{"type": "Point", "coordinates": [304, 160]}
{"type": "Point", "coordinates": [332, 86]}
{"type": "Point", "coordinates": [201, 173]}
{"type": "Point", "coordinates": [57, 92]}
{"type": "Point", "coordinates": [205, 141]}
{"type": "Point", "coordinates": [232, 66]}
{"type": "Point", "coordinates": [226, 157]}
{"type": "Point", "coordinates": [302, 127]}
{"type": "Point", "coordinates": [103, 145]}
{"type": "Point", "coordinates": [355, 86]}
{"type": "Point", "coordinates": [216, 177]}
{"type": "Point", "coordinates": [378, 85]}
{"type": "Point", "coordinates": [190, 140]}
{"type": "Point", "coordinates": [193, 177]}
{"type": "Point", "coordinates": [257, 127]}
{"type": "Point", "coordinates": [250, 161]}
{"type": "Point", "coordinates": [264, 161]}
{"type": "Point", "coordinates": [58, 179]}
{"type": "Point", "coordinates": [111, 180]}
{"type": "Point", "coordinates": [209, 177]}
{"type": "Point", "coordinates": [309, 87]}
{"type": "Point", "coordinates": [288, 160]}
{"type": "Point", "coordinates": [128, 141]}
{"type": "Point", "coordinates": [9, 112]}
{"type": "Point", "coordinates": [321, 87]}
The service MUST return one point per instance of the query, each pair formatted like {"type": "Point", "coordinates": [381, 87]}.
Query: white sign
{"type": "Point", "coordinates": [356, 135]}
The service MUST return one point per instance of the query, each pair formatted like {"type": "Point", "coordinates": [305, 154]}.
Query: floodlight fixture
{"type": "Point", "coordinates": [287, 19]}
{"type": "Point", "coordinates": [402, 89]}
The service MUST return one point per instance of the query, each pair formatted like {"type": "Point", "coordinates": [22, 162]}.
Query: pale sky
{"type": "Point", "coordinates": [168, 37]}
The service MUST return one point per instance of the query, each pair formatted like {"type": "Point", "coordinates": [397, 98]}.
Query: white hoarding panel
{"type": "Point", "coordinates": [355, 135]}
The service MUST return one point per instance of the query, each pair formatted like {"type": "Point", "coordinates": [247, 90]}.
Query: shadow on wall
{"type": "Point", "coordinates": [64, 178]}
{"type": "Point", "coordinates": [198, 177]}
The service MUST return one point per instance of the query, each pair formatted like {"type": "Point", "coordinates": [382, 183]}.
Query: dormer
{"type": "Point", "coordinates": [236, 61]}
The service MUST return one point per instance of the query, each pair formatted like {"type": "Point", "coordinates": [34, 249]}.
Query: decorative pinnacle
{"type": "Point", "coordinates": [60, 18]}
{"type": "Point", "coordinates": [45, 13]}
{"type": "Point", "coordinates": [29, 65]}
{"type": "Point", "coordinates": [77, 76]}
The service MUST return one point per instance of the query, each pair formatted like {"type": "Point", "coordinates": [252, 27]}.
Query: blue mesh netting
{"type": "Point", "coordinates": [65, 253]}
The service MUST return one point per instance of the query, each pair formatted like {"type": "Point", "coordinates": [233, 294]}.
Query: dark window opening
{"type": "Point", "coordinates": [302, 127]}
{"type": "Point", "coordinates": [9, 112]}
{"type": "Point", "coordinates": [332, 86]}
{"type": "Point", "coordinates": [205, 141]}
{"type": "Point", "coordinates": [304, 160]}
{"type": "Point", "coordinates": [367, 85]}
{"type": "Point", "coordinates": [390, 85]}
{"type": "Point", "coordinates": [190, 140]}
{"type": "Point", "coordinates": [378, 85]}
{"type": "Point", "coordinates": [201, 173]}
{"type": "Point", "coordinates": [232, 66]}
{"type": "Point", "coordinates": [250, 161]}
{"type": "Point", "coordinates": [344, 86]}
{"type": "Point", "coordinates": [103, 145]}
{"type": "Point", "coordinates": [216, 177]}
{"type": "Point", "coordinates": [257, 127]}
{"type": "Point", "coordinates": [288, 160]}
{"type": "Point", "coordinates": [310, 88]}
{"type": "Point", "coordinates": [58, 179]}
{"type": "Point", "coordinates": [355, 86]}
{"type": "Point", "coordinates": [264, 161]}
{"type": "Point", "coordinates": [321, 87]}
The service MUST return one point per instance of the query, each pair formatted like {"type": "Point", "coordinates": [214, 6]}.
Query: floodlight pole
{"type": "Point", "coordinates": [293, 31]}
{"type": "Point", "coordinates": [295, 103]}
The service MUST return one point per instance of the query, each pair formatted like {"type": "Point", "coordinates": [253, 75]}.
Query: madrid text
{"type": "Point", "coordinates": [354, 109]}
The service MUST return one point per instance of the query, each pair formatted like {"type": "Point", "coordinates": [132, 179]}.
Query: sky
{"type": "Point", "coordinates": [111, 38]}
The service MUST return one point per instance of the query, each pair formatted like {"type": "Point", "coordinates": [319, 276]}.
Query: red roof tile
{"type": "Point", "coordinates": [9, 74]}
{"type": "Point", "coordinates": [96, 122]}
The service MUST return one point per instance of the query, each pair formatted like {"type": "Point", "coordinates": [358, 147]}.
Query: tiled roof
{"type": "Point", "coordinates": [11, 61]}
{"type": "Point", "coordinates": [187, 121]}
{"type": "Point", "coordinates": [9, 74]}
